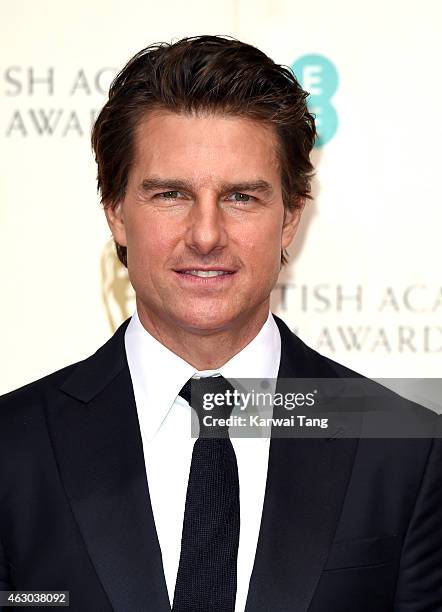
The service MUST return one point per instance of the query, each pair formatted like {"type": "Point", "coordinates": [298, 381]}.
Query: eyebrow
{"type": "Point", "coordinates": [176, 184]}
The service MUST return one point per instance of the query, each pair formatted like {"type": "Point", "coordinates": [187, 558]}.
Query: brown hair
{"type": "Point", "coordinates": [198, 74]}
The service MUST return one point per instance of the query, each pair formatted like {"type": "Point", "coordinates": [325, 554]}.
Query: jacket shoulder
{"type": "Point", "coordinates": [84, 377]}
{"type": "Point", "coordinates": [33, 393]}
{"type": "Point", "coordinates": [302, 361]}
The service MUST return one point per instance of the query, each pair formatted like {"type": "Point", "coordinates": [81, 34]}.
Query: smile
{"type": "Point", "coordinates": [206, 273]}
{"type": "Point", "coordinates": [205, 278]}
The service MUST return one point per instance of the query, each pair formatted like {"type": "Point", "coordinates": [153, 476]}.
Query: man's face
{"type": "Point", "coordinates": [203, 221]}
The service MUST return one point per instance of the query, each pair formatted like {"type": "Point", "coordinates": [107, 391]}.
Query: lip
{"type": "Point", "coordinates": [206, 281]}
{"type": "Point", "coordinates": [207, 269]}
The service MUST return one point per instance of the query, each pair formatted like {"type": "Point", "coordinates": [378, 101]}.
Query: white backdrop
{"type": "Point", "coordinates": [364, 284]}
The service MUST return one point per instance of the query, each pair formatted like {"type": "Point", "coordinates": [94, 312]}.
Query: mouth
{"type": "Point", "coordinates": [205, 273]}
{"type": "Point", "coordinates": [206, 276]}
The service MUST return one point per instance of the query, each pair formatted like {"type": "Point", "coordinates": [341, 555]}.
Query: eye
{"type": "Point", "coordinates": [240, 197]}
{"type": "Point", "coordinates": [168, 195]}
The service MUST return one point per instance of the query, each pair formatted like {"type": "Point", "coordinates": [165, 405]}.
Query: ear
{"type": "Point", "coordinates": [115, 220]}
{"type": "Point", "coordinates": [292, 217]}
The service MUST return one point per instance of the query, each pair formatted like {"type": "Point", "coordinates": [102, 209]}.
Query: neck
{"type": "Point", "coordinates": [205, 350]}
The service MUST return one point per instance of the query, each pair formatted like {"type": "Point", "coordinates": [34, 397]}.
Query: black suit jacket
{"type": "Point", "coordinates": [348, 525]}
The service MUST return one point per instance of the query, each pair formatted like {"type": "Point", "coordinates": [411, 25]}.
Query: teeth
{"type": "Point", "coordinates": [206, 273]}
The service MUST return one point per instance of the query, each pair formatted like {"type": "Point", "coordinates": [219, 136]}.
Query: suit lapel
{"type": "Point", "coordinates": [306, 484]}
{"type": "Point", "coordinates": [97, 442]}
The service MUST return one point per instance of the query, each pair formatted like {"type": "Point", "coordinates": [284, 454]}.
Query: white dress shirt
{"type": "Point", "coordinates": [157, 376]}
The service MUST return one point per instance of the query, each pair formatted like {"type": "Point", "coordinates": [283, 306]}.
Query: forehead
{"type": "Point", "coordinates": [206, 146]}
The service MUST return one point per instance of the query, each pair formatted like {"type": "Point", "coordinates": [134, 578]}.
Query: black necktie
{"type": "Point", "coordinates": [206, 579]}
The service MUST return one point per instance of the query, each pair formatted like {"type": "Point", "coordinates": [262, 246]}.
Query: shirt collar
{"type": "Point", "coordinates": [158, 374]}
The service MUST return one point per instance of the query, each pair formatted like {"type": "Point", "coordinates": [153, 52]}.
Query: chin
{"type": "Point", "coordinates": [206, 321]}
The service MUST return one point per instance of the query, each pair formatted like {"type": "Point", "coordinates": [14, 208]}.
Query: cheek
{"type": "Point", "coordinates": [263, 248]}
{"type": "Point", "coordinates": [149, 239]}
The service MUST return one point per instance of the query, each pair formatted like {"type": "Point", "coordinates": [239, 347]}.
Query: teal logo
{"type": "Point", "coordinates": [319, 77]}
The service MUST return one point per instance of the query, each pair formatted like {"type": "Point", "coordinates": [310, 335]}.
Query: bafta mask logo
{"type": "Point", "coordinates": [116, 290]}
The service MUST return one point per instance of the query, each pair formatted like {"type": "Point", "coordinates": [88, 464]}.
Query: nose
{"type": "Point", "coordinates": [206, 232]}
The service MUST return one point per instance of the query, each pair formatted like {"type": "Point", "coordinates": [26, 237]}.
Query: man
{"type": "Point", "coordinates": [203, 166]}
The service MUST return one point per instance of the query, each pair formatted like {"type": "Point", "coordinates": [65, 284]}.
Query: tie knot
{"type": "Point", "coordinates": [212, 397]}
